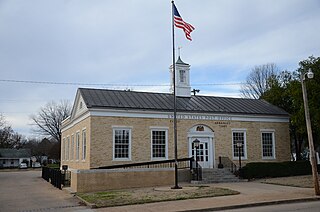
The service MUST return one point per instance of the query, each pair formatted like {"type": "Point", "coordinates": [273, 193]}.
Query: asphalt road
{"type": "Point", "coordinates": [313, 206]}
{"type": "Point", "coordinates": [25, 190]}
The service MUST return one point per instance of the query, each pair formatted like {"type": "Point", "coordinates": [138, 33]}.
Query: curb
{"type": "Point", "coordinates": [91, 205]}
{"type": "Point", "coordinates": [309, 199]}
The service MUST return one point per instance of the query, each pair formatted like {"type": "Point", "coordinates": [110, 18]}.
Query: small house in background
{"type": "Point", "coordinates": [12, 158]}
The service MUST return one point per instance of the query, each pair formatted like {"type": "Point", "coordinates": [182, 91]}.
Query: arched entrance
{"type": "Point", "coordinates": [205, 152]}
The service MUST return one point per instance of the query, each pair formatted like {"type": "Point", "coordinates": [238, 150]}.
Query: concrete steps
{"type": "Point", "coordinates": [217, 176]}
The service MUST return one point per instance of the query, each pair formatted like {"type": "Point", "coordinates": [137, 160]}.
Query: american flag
{"type": "Point", "coordinates": [178, 22]}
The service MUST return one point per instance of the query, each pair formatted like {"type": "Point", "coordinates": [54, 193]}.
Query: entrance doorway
{"type": "Point", "coordinates": [202, 152]}
{"type": "Point", "coordinates": [205, 150]}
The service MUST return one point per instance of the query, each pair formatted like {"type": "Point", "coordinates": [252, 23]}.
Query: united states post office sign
{"type": "Point", "coordinates": [202, 117]}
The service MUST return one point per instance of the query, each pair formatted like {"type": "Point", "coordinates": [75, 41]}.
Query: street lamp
{"type": "Point", "coordinates": [239, 145]}
{"type": "Point", "coordinates": [196, 145]}
{"type": "Point", "coordinates": [313, 161]}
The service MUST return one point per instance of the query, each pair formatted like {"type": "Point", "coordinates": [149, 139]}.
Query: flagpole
{"type": "Point", "coordinates": [176, 186]}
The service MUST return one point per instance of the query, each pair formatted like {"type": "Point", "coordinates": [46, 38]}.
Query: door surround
{"type": "Point", "coordinates": [202, 131]}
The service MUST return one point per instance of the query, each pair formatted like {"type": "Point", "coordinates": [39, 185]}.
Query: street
{"type": "Point", "coordinates": [25, 190]}
{"type": "Point", "coordinates": [311, 206]}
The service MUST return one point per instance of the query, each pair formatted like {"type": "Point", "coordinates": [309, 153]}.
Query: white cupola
{"type": "Point", "coordinates": [183, 88]}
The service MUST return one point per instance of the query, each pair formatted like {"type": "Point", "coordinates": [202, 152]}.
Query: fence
{"type": "Point", "coordinates": [56, 177]}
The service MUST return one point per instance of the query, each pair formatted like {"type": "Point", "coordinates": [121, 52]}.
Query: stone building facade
{"type": "Point", "coordinates": [109, 127]}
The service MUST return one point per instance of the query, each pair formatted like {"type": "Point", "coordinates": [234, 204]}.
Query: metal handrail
{"type": "Point", "coordinates": [227, 163]}
{"type": "Point", "coordinates": [196, 170]}
{"type": "Point", "coordinates": [183, 163]}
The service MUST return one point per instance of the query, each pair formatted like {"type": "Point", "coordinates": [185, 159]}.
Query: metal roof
{"type": "Point", "coordinates": [179, 61]}
{"type": "Point", "coordinates": [132, 100]}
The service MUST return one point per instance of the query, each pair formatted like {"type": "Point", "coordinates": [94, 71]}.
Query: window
{"type": "Point", "coordinates": [67, 148]}
{"type": "Point", "coordinates": [77, 145]}
{"type": "Point", "coordinates": [63, 151]}
{"type": "Point", "coordinates": [268, 147]}
{"type": "Point", "coordinates": [122, 144]}
{"type": "Point", "coordinates": [159, 144]}
{"type": "Point", "coordinates": [182, 76]}
{"type": "Point", "coordinates": [239, 136]}
{"type": "Point", "coordinates": [72, 148]}
{"type": "Point", "coordinates": [84, 144]}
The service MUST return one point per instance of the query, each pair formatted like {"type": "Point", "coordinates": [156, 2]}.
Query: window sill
{"type": "Point", "coordinates": [121, 159]}
{"type": "Point", "coordinates": [237, 159]}
{"type": "Point", "coordinates": [268, 158]}
{"type": "Point", "coordinates": [156, 159]}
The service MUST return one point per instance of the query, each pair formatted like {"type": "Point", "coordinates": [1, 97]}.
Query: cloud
{"type": "Point", "coordinates": [130, 42]}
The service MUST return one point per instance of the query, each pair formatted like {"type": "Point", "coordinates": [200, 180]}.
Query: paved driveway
{"type": "Point", "coordinates": [25, 190]}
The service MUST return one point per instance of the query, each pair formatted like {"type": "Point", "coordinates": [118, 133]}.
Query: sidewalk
{"type": "Point", "coordinates": [251, 194]}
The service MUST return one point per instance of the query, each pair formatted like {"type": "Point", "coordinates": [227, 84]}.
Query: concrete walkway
{"type": "Point", "coordinates": [25, 190]}
{"type": "Point", "coordinates": [251, 193]}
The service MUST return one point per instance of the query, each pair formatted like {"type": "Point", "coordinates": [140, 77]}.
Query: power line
{"type": "Point", "coordinates": [75, 83]}
{"type": "Point", "coordinates": [110, 84]}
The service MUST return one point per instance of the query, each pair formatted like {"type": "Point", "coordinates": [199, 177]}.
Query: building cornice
{"type": "Point", "coordinates": [94, 112]}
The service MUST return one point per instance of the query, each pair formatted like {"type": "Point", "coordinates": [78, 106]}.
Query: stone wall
{"type": "Point", "coordinates": [100, 139]}
{"type": "Point", "coordinates": [72, 162]}
{"type": "Point", "coordinates": [102, 180]}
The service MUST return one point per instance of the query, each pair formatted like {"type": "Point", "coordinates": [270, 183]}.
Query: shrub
{"type": "Point", "coordinates": [275, 169]}
{"type": "Point", "coordinates": [54, 166]}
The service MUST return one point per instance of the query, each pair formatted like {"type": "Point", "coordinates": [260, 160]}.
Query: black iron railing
{"type": "Point", "coordinates": [228, 164]}
{"type": "Point", "coordinates": [196, 171]}
{"type": "Point", "coordinates": [183, 163]}
{"type": "Point", "coordinates": [56, 177]}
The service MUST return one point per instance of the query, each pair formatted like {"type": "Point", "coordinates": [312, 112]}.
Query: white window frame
{"type": "Point", "coordinates": [165, 129]}
{"type": "Point", "coordinates": [72, 148]}
{"type": "Point", "coordinates": [244, 131]}
{"type": "Point", "coordinates": [113, 141]}
{"type": "Point", "coordinates": [68, 148]}
{"type": "Point", "coordinates": [84, 144]}
{"type": "Point", "coordinates": [63, 151]}
{"type": "Point", "coordinates": [77, 145]}
{"type": "Point", "coordinates": [182, 76]}
{"type": "Point", "coordinates": [272, 131]}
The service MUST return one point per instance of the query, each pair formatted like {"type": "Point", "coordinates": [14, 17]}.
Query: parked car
{"type": "Point", "coordinates": [23, 166]}
{"type": "Point", "coordinates": [36, 165]}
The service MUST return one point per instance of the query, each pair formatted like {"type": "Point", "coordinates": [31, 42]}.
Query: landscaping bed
{"type": "Point", "coordinates": [305, 181]}
{"type": "Point", "coordinates": [148, 195]}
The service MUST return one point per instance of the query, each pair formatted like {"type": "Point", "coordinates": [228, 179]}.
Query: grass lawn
{"type": "Point", "coordinates": [305, 181]}
{"type": "Point", "coordinates": [148, 195]}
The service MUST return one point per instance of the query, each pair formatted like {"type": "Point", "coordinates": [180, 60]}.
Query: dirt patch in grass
{"type": "Point", "coordinates": [148, 195]}
{"type": "Point", "coordinates": [305, 181]}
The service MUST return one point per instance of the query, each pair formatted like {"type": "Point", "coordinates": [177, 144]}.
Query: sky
{"type": "Point", "coordinates": [127, 44]}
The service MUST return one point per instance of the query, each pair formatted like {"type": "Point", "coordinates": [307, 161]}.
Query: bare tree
{"type": "Point", "coordinates": [8, 138]}
{"type": "Point", "coordinates": [49, 118]}
{"type": "Point", "coordinates": [259, 80]}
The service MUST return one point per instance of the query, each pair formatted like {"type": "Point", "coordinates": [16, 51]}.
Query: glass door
{"type": "Point", "coordinates": [202, 153]}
